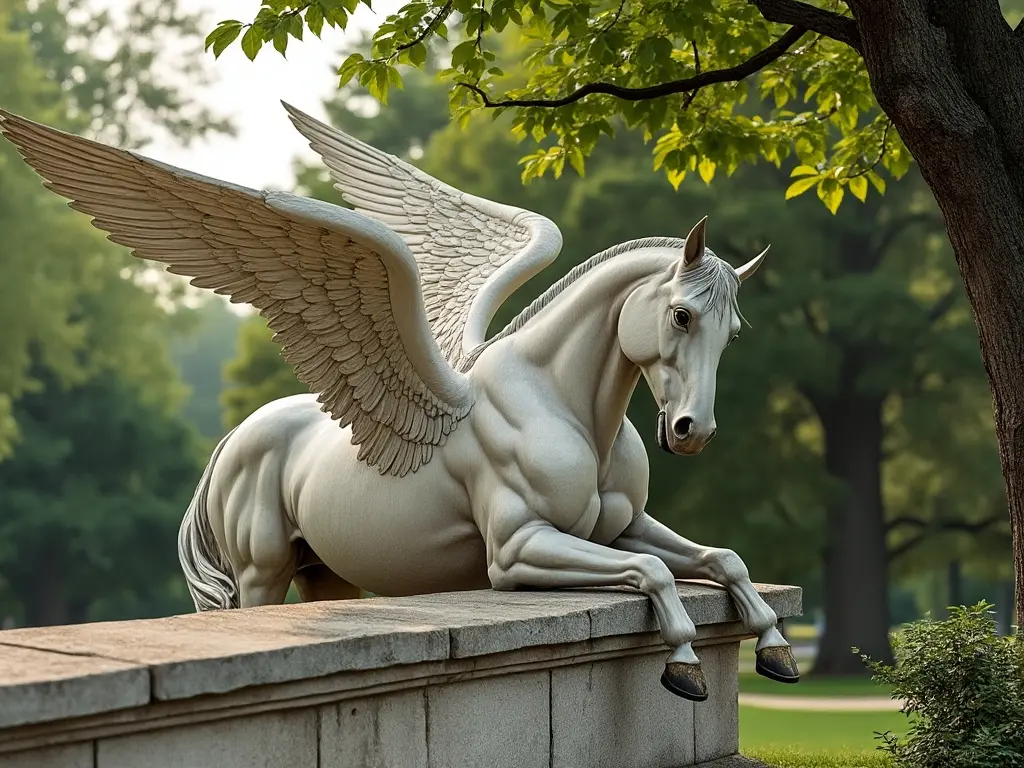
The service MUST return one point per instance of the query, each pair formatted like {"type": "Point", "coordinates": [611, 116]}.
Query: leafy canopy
{"type": "Point", "coordinates": [710, 83]}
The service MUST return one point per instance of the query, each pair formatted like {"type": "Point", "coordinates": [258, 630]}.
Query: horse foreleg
{"type": "Point", "coordinates": [538, 555]}
{"type": "Point", "coordinates": [689, 560]}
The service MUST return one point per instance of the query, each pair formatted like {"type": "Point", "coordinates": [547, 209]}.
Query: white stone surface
{"type": "Point", "coordinates": [469, 680]}
{"type": "Point", "coordinates": [37, 685]}
{"type": "Point", "coordinates": [716, 721]}
{"type": "Point", "coordinates": [274, 740]}
{"type": "Point", "coordinates": [615, 714]}
{"type": "Point", "coordinates": [379, 732]}
{"type": "Point", "coordinates": [73, 756]}
{"type": "Point", "coordinates": [497, 722]}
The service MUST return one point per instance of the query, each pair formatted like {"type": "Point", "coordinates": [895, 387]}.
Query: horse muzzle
{"type": "Point", "coordinates": [663, 433]}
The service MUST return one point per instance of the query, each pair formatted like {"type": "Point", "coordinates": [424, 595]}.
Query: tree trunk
{"type": "Point", "coordinates": [856, 559]}
{"type": "Point", "coordinates": [951, 78]}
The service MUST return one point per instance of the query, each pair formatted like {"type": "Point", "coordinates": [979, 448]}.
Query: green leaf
{"type": "Point", "coordinates": [223, 36]}
{"type": "Point", "coordinates": [295, 26]}
{"type": "Point", "coordinates": [350, 68]}
{"type": "Point", "coordinates": [576, 159]}
{"type": "Point", "coordinates": [859, 187]}
{"type": "Point", "coordinates": [804, 170]}
{"type": "Point", "coordinates": [831, 194]}
{"type": "Point", "coordinates": [801, 186]}
{"type": "Point", "coordinates": [418, 55]}
{"type": "Point", "coordinates": [876, 181]}
{"type": "Point", "coordinates": [463, 52]}
{"type": "Point", "coordinates": [706, 169]}
{"type": "Point", "coordinates": [281, 39]}
{"type": "Point", "coordinates": [315, 18]}
{"type": "Point", "coordinates": [252, 41]}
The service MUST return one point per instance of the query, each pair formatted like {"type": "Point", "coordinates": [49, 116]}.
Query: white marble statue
{"type": "Point", "coordinates": [430, 458]}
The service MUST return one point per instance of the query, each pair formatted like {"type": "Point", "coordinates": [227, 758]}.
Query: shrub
{"type": "Point", "coordinates": [963, 689]}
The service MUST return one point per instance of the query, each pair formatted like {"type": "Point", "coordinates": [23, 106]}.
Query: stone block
{"type": "Point", "coordinates": [72, 756]}
{"type": "Point", "coordinates": [39, 686]}
{"type": "Point", "coordinates": [497, 722]}
{"type": "Point", "coordinates": [383, 732]}
{"type": "Point", "coordinates": [716, 721]}
{"type": "Point", "coordinates": [275, 740]}
{"type": "Point", "coordinates": [615, 714]}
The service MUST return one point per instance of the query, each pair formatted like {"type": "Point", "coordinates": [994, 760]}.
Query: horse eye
{"type": "Point", "coordinates": [681, 318]}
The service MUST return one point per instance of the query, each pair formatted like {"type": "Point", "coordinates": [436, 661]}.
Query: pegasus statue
{"type": "Point", "coordinates": [428, 457]}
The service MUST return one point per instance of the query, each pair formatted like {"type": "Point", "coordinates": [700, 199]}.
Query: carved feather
{"type": "Point", "coordinates": [339, 290]}
{"type": "Point", "coordinates": [472, 253]}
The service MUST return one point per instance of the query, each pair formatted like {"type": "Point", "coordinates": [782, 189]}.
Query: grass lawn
{"type": "Point", "coordinates": [794, 758]}
{"type": "Point", "coordinates": [751, 682]}
{"type": "Point", "coordinates": [779, 729]}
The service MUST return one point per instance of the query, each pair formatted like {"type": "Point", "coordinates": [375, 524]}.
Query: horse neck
{"type": "Point", "coordinates": [576, 339]}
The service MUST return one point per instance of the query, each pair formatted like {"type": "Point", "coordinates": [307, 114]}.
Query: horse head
{"type": "Point", "coordinates": [675, 328]}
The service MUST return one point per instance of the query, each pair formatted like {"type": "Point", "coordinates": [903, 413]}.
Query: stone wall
{"type": "Point", "coordinates": [468, 680]}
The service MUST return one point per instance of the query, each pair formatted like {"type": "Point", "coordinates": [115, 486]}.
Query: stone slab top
{"type": "Point", "coordinates": [51, 673]}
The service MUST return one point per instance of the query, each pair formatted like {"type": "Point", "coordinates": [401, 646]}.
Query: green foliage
{"type": "Point", "coordinates": [256, 375]}
{"type": "Point", "coordinates": [124, 72]}
{"type": "Point", "coordinates": [96, 465]}
{"type": "Point", "coordinates": [199, 356]}
{"type": "Point", "coordinates": [964, 691]}
{"type": "Point", "coordinates": [91, 503]}
{"type": "Point", "coordinates": [804, 98]}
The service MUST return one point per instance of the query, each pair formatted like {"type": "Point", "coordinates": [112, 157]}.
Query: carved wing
{"type": "Point", "coordinates": [472, 253]}
{"type": "Point", "coordinates": [340, 291]}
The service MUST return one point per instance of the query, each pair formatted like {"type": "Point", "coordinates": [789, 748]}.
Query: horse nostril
{"type": "Point", "coordinates": [682, 427]}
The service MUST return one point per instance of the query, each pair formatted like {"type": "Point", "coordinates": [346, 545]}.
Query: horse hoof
{"type": "Point", "coordinates": [777, 663]}
{"type": "Point", "coordinates": [686, 680]}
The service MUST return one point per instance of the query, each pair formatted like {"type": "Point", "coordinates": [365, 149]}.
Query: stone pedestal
{"type": "Point", "coordinates": [518, 680]}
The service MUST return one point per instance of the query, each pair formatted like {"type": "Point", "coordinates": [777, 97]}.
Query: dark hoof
{"type": "Point", "coordinates": [686, 680]}
{"type": "Point", "coordinates": [777, 663]}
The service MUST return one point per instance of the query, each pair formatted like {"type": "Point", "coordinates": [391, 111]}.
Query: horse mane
{"type": "Point", "coordinates": [709, 277]}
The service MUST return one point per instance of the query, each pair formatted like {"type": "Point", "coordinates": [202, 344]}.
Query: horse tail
{"type": "Point", "coordinates": [207, 574]}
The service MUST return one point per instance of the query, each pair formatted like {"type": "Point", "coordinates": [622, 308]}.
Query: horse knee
{"type": "Point", "coordinates": [654, 575]}
{"type": "Point", "coordinates": [724, 566]}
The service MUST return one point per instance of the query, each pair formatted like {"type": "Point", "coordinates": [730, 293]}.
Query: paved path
{"type": "Point", "coordinates": [821, 703]}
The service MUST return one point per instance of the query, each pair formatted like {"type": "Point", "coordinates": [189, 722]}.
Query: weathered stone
{"type": "Point", "coordinates": [221, 651]}
{"type": "Point", "coordinates": [615, 714]}
{"type": "Point", "coordinates": [38, 686]}
{"type": "Point", "coordinates": [716, 721]}
{"type": "Point", "coordinates": [497, 722]}
{"type": "Point", "coordinates": [275, 740]}
{"type": "Point", "coordinates": [382, 732]}
{"type": "Point", "coordinates": [73, 756]}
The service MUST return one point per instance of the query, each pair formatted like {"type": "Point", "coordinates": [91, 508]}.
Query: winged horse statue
{"type": "Point", "coordinates": [430, 458]}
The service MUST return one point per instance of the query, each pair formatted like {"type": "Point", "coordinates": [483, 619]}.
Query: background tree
{"type": "Point", "coordinates": [829, 449]}
{"type": "Point", "coordinates": [947, 77]}
{"type": "Point", "coordinates": [96, 463]}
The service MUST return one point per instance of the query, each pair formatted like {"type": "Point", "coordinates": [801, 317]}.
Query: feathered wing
{"type": "Point", "coordinates": [472, 253]}
{"type": "Point", "coordinates": [339, 290]}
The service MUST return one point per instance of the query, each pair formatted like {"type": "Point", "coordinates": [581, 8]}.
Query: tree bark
{"type": "Point", "coordinates": [951, 78]}
{"type": "Point", "coordinates": [856, 560]}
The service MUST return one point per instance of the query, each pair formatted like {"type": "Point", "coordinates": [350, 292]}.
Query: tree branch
{"type": "Point", "coordinates": [754, 64]}
{"type": "Point", "coordinates": [943, 305]}
{"type": "Point", "coordinates": [898, 226]}
{"type": "Point", "coordinates": [936, 527]}
{"type": "Point", "coordinates": [804, 16]}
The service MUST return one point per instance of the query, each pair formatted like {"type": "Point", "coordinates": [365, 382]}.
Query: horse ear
{"type": "Point", "coordinates": [693, 251]}
{"type": "Point", "coordinates": [751, 266]}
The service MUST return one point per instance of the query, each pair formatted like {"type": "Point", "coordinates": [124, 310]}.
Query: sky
{"type": "Point", "coordinates": [263, 151]}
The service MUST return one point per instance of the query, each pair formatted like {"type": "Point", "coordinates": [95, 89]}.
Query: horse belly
{"type": "Point", "coordinates": [389, 535]}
